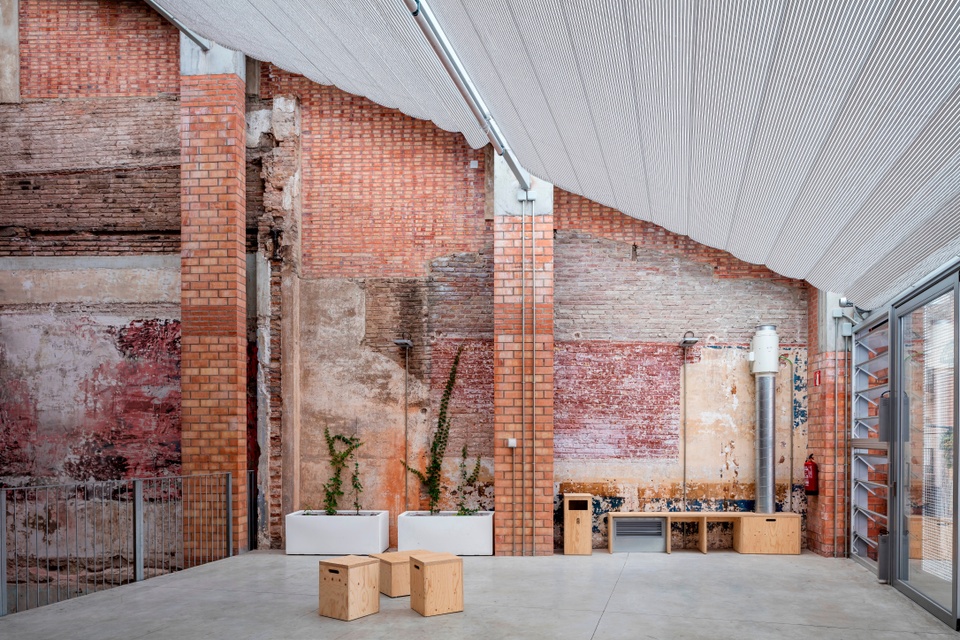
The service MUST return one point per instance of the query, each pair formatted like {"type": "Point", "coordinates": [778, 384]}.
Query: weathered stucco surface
{"type": "Point", "coordinates": [90, 395]}
{"type": "Point", "coordinates": [720, 446]}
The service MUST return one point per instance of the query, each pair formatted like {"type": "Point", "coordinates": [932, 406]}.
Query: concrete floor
{"type": "Point", "coordinates": [682, 595]}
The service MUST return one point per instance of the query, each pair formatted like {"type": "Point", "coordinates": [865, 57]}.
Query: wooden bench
{"type": "Point", "coordinates": [774, 533]}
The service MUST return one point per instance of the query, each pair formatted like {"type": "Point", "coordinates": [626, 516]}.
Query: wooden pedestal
{"type": "Point", "coordinates": [436, 583]}
{"type": "Point", "coordinates": [577, 524]}
{"type": "Point", "coordinates": [774, 533]}
{"type": "Point", "coordinates": [349, 587]}
{"type": "Point", "coordinates": [395, 572]}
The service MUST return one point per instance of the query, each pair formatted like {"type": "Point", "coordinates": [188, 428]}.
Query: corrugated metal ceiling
{"type": "Point", "coordinates": [821, 138]}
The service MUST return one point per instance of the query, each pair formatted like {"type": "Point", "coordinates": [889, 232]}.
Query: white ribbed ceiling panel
{"type": "Point", "coordinates": [821, 138]}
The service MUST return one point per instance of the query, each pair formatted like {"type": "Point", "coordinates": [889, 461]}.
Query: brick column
{"type": "Point", "coordinates": [213, 299]}
{"type": "Point", "coordinates": [827, 511]}
{"type": "Point", "coordinates": [523, 368]}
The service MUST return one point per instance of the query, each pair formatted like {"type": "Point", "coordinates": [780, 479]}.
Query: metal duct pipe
{"type": "Point", "coordinates": [764, 356]}
{"type": "Point", "coordinates": [423, 15]}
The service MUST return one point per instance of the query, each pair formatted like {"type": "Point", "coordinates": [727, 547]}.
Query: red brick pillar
{"type": "Point", "coordinates": [826, 376]}
{"type": "Point", "coordinates": [213, 299]}
{"type": "Point", "coordinates": [827, 511]}
{"type": "Point", "coordinates": [523, 378]}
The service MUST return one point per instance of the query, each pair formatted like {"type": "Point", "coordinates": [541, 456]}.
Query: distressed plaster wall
{"type": "Point", "coordinates": [388, 252]}
{"type": "Point", "coordinates": [626, 291]}
{"type": "Point", "coordinates": [89, 389]}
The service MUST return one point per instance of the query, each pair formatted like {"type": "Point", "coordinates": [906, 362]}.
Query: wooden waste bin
{"type": "Point", "coordinates": [349, 587]}
{"type": "Point", "coordinates": [395, 572]}
{"type": "Point", "coordinates": [577, 524]}
{"type": "Point", "coordinates": [436, 583]}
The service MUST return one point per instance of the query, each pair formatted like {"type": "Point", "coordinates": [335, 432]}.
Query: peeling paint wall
{"type": "Point", "coordinates": [88, 391]}
{"type": "Point", "coordinates": [626, 292]}
{"type": "Point", "coordinates": [90, 395]}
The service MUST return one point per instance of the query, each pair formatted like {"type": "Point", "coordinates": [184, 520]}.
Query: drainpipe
{"type": "Point", "coordinates": [523, 374]}
{"type": "Point", "coordinates": [688, 340]}
{"type": "Point", "coordinates": [533, 367]}
{"type": "Point", "coordinates": [428, 23]}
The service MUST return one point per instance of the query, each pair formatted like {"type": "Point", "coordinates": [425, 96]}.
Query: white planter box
{"type": "Point", "coordinates": [446, 532]}
{"type": "Point", "coordinates": [342, 534]}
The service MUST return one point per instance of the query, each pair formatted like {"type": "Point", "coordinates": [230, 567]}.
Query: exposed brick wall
{"type": "Point", "coordinates": [97, 133]}
{"type": "Point", "coordinates": [574, 212]}
{"type": "Point", "coordinates": [213, 290]}
{"type": "Point", "coordinates": [110, 167]}
{"type": "Point", "coordinates": [89, 48]}
{"type": "Point", "coordinates": [826, 514]}
{"type": "Point", "coordinates": [383, 193]}
{"type": "Point", "coordinates": [517, 404]}
{"type": "Point", "coordinates": [606, 290]}
{"type": "Point", "coordinates": [616, 400]}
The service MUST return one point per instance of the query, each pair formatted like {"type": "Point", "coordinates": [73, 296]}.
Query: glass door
{"type": "Point", "coordinates": [926, 566]}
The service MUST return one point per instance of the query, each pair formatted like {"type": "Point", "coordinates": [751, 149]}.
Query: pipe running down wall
{"type": "Point", "coordinates": [765, 361]}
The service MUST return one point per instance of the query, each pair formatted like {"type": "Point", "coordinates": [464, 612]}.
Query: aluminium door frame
{"type": "Point", "coordinates": [946, 282]}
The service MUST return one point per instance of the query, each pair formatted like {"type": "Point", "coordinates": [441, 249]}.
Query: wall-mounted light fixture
{"type": "Point", "coordinates": [689, 340]}
{"type": "Point", "coordinates": [406, 344]}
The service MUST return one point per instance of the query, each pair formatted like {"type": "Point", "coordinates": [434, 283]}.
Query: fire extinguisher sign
{"type": "Point", "coordinates": [816, 378]}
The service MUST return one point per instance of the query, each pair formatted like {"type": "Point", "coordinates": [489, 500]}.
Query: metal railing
{"type": "Point", "coordinates": [66, 540]}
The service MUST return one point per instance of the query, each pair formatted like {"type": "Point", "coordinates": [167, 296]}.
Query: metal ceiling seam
{"type": "Point", "coordinates": [908, 253]}
{"type": "Point", "coordinates": [601, 69]}
{"type": "Point", "coordinates": [590, 111]}
{"type": "Point", "coordinates": [771, 67]}
{"type": "Point", "coordinates": [923, 164]}
{"type": "Point", "coordinates": [553, 117]}
{"type": "Point", "coordinates": [867, 138]}
{"type": "Point", "coordinates": [691, 100]}
{"type": "Point", "coordinates": [827, 138]}
{"type": "Point", "coordinates": [347, 80]}
{"type": "Point", "coordinates": [632, 90]}
{"type": "Point", "coordinates": [389, 30]}
{"type": "Point", "coordinates": [542, 173]}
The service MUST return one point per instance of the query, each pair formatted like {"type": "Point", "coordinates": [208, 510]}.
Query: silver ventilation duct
{"type": "Point", "coordinates": [764, 358]}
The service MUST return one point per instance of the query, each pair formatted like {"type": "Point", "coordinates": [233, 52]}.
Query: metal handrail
{"type": "Point", "coordinates": [67, 540]}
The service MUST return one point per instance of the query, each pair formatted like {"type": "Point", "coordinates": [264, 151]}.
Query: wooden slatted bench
{"type": "Point", "coordinates": [774, 533]}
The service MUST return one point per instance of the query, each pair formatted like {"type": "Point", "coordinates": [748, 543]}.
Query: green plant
{"type": "Point", "coordinates": [333, 489]}
{"type": "Point", "coordinates": [431, 478]}
{"type": "Point", "coordinates": [467, 480]}
{"type": "Point", "coordinates": [357, 487]}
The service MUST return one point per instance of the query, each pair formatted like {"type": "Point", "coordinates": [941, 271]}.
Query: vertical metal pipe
{"type": "Point", "coordinates": [766, 488]}
{"type": "Point", "coordinates": [533, 372]}
{"type": "Point", "coordinates": [683, 353]}
{"type": "Point", "coordinates": [3, 552]}
{"type": "Point", "coordinates": [406, 431]}
{"type": "Point", "coordinates": [56, 500]}
{"type": "Point", "coordinates": [523, 377]}
{"type": "Point", "coordinates": [229, 493]}
{"type": "Point", "coordinates": [836, 427]}
{"type": "Point", "coordinates": [46, 538]}
{"type": "Point", "coordinates": [16, 554]}
{"type": "Point", "coordinates": [513, 490]}
{"type": "Point", "coordinates": [138, 530]}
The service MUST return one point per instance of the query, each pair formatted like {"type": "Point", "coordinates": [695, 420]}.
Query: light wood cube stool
{"type": "Point", "coordinates": [395, 572]}
{"type": "Point", "coordinates": [349, 587]}
{"type": "Point", "coordinates": [436, 583]}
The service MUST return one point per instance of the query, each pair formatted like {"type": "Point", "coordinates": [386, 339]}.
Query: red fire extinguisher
{"type": "Point", "coordinates": [810, 476]}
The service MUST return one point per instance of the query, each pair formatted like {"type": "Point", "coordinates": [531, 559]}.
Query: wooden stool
{"type": "Point", "coordinates": [349, 587]}
{"type": "Point", "coordinates": [395, 572]}
{"type": "Point", "coordinates": [436, 583]}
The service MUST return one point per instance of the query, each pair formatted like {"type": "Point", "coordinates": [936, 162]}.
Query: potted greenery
{"type": "Point", "coordinates": [331, 531]}
{"type": "Point", "coordinates": [466, 531]}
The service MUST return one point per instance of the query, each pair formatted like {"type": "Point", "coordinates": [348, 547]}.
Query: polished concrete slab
{"type": "Point", "coordinates": [265, 595]}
